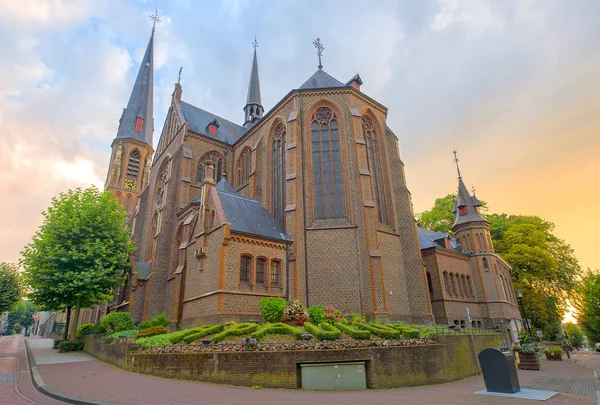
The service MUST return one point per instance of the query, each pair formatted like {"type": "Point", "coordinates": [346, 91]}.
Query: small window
{"type": "Point", "coordinates": [463, 324]}
{"type": "Point", "coordinates": [138, 125]}
{"type": "Point", "coordinates": [261, 272]}
{"type": "Point", "coordinates": [462, 210]}
{"type": "Point", "coordinates": [275, 273]}
{"type": "Point", "coordinates": [446, 285]}
{"type": "Point", "coordinates": [245, 269]}
{"type": "Point", "coordinates": [429, 283]}
{"type": "Point", "coordinates": [486, 266]}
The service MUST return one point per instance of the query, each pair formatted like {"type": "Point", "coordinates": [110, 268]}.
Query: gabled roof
{"type": "Point", "coordinates": [198, 119]}
{"type": "Point", "coordinates": [248, 217]}
{"type": "Point", "coordinates": [320, 80]}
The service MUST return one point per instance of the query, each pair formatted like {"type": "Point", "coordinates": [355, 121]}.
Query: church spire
{"type": "Point", "coordinates": [137, 121]}
{"type": "Point", "coordinates": [253, 109]}
{"type": "Point", "coordinates": [466, 206]}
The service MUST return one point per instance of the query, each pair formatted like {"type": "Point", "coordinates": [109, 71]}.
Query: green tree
{"type": "Point", "coordinates": [20, 317]}
{"type": "Point", "coordinates": [440, 218]}
{"type": "Point", "coordinates": [575, 335]}
{"type": "Point", "coordinates": [587, 304]}
{"type": "Point", "coordinates": [11, 286]}
{"type": "Point", "coordinates": [79, 254]}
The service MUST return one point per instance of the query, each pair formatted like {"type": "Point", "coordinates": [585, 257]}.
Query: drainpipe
{"type": "Point", "coordinates": [304, 198]}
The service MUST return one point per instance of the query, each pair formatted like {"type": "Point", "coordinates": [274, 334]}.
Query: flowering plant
{"type": "Point", "coordinates": [295, 311]}
{"type": "Point", "coordinates": [332, 315]}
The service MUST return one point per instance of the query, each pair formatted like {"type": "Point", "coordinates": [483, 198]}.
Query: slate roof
{"type": "Point", "coordinates": [320, 80]}
{"type": "Point", "coordinates": [254, 85]}
{"type": "Point", "coordinates": [198, 119]}
{"type": "Point", "coordinates": [470, 203]}
{"type": "Point", "coordinates": [140, 102]}
{"type": "Point", "coordinates": [248, 217]}
{"type": "Point", "coordinates": [429, 239]}
{"type": "Point", "coordinates": [143, 270]}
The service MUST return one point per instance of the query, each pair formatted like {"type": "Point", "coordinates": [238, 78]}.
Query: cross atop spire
{"type": "Point", "coordinates": [473, 190]}
{"type": "Point", "coordinates": [255, 43]}
{"type": "Point", "coordinates": [154, 17]}
{"type": "Point", "coordinates": [456, 161]}
{"type": "Point", "coordinates": [320, 48]}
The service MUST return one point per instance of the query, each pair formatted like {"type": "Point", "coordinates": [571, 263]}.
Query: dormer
{"type": "Point", "coordinates": [355, 82]}
{"type": "Point", "coordinates": [212, 127]}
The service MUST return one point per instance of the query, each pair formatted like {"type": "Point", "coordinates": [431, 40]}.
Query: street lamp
{"type": "Point", "coordinates": [520, 297]}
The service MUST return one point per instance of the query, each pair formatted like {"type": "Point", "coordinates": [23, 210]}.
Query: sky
{"type": "Point", "coordinates": [514, 86]}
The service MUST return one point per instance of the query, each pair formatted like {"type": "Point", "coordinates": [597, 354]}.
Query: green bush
{"type": "Point", "coordinates": [57, 342]}
{"type": "Point", "coordinates": [324, 331]}
{"type": "Point", "coordinates": [271, 309]}
{"type": "Point", "coordinates": [316, 314]}
{"type": "Point", "coordinates": [277, 329]}
{"type": "Point", "coordinates": [152, 331]}
{"type": "Point", "coordinates": [124, 333]}
{"type": "Point", "coordinates": [177, 337]}
{"type": "Point", "coordinates": [116, 322]}
{"type": "Point", "coordinates": [236, 330]}
{"type": "Point", "coordinates": [352, 331]}
{"type": "Point", "coordinates": [380, 330]}
{"type": "Point", "coordinates": [397, 326]}
{"type": "Point", "coordinates": [209, 330]}
{"type": "Point", "coordinates": [158, 320]}
{"type": "Point", "coordinates": [86, 329]}
{"type": "Point", "coordinates": [70, 346]}
{"type": "Point", "coordinates": [411, 333]}
{"type": "Point", "coordinates": [554, 353]}
{"type": "Point", "coordinates": [157, 340]}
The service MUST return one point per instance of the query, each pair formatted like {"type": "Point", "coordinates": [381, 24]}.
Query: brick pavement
{"type": "Point", "coordinates": [16, 387]}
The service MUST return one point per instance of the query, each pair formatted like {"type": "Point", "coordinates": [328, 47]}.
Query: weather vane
{"type": "Point", "coordinates": [255, 43]}
{"type": "Point", "coordinates": [456, 161]}
{"type": "Point", "coordinates": [179, 75]}
{"type": "Point", "coordinates": [154, 17]}
{"type": "Point", "coordinates": [473, 190]}
{"type": "Point", "coordinates": [320, 48]}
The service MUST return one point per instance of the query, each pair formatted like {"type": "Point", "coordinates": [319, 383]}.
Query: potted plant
{"type": "Point", "coordinates": [554, 353]}
{"type": "Point", "coordinates": [527, 353]}
{"type": "Point", "coordinates": [295, 314]}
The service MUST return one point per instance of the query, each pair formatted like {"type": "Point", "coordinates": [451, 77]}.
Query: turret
{"type": "Point", "coordinates": [253, 109]}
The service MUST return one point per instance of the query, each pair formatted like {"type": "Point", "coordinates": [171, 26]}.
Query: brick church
{"type": "Point", "coordinates": [305, 201]}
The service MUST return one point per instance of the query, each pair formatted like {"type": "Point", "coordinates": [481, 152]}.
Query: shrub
{"type": "Point", "coordinates": [332, 315]}
{"type": "Point", "coordinates": [316, 314]}
{"type": "Point", "coordinates": [271, 309]}
{"type": "Point", "coordinates": [56, 343]}
{"type": "Point", "coordinates": [70, 346]}
{"type": "Point", "coordinates": [116, 322]}
{"type": "Point", "coordinates": [236, 330]}
{"type": "Point", "coordinates": [356, 318]}
{"type": "Point", "coordinates": [277, 329]}
{"type": "Point", "coordinates": [152, 331]}
{"type": "Point", "coordinates": [124, 333]}
{"type": "Point", "coordinates": [158, 320]}
{"type": "Point", "coordinates": [380, 330]}
{"type": "Point", "coordinates": [209, 330]}
{"type": "Point", "coordinates": [411, 333]}
{"type": "Point", "coordinates": [86, 329]}
{"type": "Point", "coordinates": [554, 353]}
{"type": "Point", "coordinates": [295, 311]}
{"type": "Point", "coordinates": [177, 337]}
{"type": "Point", "coordinates": [157, 340]}
{"type": "Point", "coordinates": [324, 331]}
{"type": "Point", "coordinates": [353, 332]}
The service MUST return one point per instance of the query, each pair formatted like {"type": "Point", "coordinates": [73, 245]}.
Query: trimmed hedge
{"type": "Point", "coordinates": [324, 331]}
{"type": "Point", "coordinates": [209, 330]}
{"type": "Point", "coordinates": [353, 332]}
{"type": "Point", "coordinates": [66, 346]}
{"type": "Point", "coordinates": [411, 333]}
{"type": "Point", "coordinates": [235, 330]}
{"type": "Point", "coordinates": [380, 330]}
{"type": "Point", "coordinates": [152, 331]}
{"type": "Point", "coordinates": [277, 329]}
{"type": "Point", "coordinates": [116, 322]}
{"type": "Point", "coordinates": [86, 329]}
{"type": "Point", "coordinates": [157, 340]}
{"type": "Point", "coordinates": [177, 337]}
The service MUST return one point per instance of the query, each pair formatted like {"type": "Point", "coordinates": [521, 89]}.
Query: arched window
{"type": "Point", "coordinates": [246, 269]}
{"type": "Point", "coordinates": [452, 284]}
{"type": "Point", "coordinates": [327, 167]}
{"type": "Point", "coordinates": [177, 252]}
{"type": "Point", "coordinates": [275, 273]}
{"type": "Point", "coordinates": [460, 290]}
{"type": "Point", "coordinates": [446, 285]}
{"type": "Point", "coordinates": [429, 283]}
{"type": "Point", "coordinates": [486, 266]}
{"type": "Point", "coordinates": [489, 239]}
{"type": "Point", "coordinates": [278, 173]}
{"type": "Point", "coordinates": [374, 164]}
{"type": "Point", "coordinates": [503, 288]}
{"type": "Point", "coordinates": [470, 286]}
{"type": "Point", "coordinates": [463, 280]}
{"type": "Point", "coordinates": [133, 165]}
{"type": "Point", "coordinates": [160, 196]}
{"type": "Point", "coordinates": [261, 272]}
{"type": "Point", "coordinates": [201, 170]}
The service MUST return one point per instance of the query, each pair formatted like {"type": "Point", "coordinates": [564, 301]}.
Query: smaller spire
{"type": "Point", "coordinates": [456, 161]}
{"type": "Point", "coordinates": [253, 109]}
{"type": "Point", "coordinates": [320, 48]}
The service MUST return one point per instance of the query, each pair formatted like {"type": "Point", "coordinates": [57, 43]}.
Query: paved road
{"type": "Point", "coordinates": [16, 387]}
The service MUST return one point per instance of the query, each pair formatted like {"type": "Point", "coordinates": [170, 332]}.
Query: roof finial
{"type": "Point", "coordinates": [154, 17]}
{"type": "Point", "coordinates": [473, 190]}
{"type": "Point", "coordinates": [179, 75]}
{"type": "Point", "coordinates": [320, 48]}
{"type": "Point", "coordinates": [456, 161]}
{"type": "Point", "coordinates": [255, 43]}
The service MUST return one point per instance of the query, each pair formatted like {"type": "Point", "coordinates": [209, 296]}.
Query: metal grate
{"type": "Point", "coordinates": [7, 379]}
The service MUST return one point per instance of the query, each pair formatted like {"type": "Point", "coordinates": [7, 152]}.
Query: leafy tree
{"type": "Point", "coordinates": [440, 218]}
{"type": "Point", "coordinates": [586, 304]}
{"type": "Point", "coordinates": [11, 286]}
{"type": "Point", "coordinates": [79, 254]}
{"type": "Point", "coordinates": [575, 335]}
{"type": "Point", "coordinates": [20, 317]}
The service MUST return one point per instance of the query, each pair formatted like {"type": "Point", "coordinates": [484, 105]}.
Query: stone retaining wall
{"type": "Point", "coordinates": [386, 367]}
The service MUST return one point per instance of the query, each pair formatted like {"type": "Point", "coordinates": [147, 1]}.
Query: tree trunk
{"type": "Point", "coordinates": [75, 319]}
{"type": "Point", "coordinates": [67, 323]}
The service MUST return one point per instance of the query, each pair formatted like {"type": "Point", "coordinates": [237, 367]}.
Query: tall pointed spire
{"type": "Point", "coordinates": [137, 120]}
{"type": "Point", "coordinates": [253, 109]}
{"type": "Point", "coordinates": [466, 207]}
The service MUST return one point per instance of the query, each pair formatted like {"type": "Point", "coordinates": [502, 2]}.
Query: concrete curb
{"type": "Point", "coordinates": [41, 386]}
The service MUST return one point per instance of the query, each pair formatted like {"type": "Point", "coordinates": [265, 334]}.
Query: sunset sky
{"type": "Point", "coordinates": [514, 86]}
